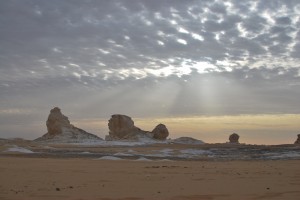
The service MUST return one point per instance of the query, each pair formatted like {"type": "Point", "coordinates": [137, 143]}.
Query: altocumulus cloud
{"type": "Point", "coordinates": [176, 57]}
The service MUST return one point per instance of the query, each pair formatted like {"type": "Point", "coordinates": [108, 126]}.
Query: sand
{"type": "Point", "coordinates": [86, 178]}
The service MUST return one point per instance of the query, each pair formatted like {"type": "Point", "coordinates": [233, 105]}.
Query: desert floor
{"type": "Point", "coordinates": [85, 178]}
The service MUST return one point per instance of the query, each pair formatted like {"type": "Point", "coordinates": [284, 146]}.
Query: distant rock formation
{"type": "Point", "coordinates": [160, 132]}
{"type": "Point", "coordinates": [187, 140]}
{"type": "Point", "coordinates": [56, 122]}
{"type": "Point", "coordinates": [234, 138]}
{"type": "Point", "coordinates": [60, 129]}
{"type": "Point", "coordinates": [298, 140]}
{"type": "Point", "coordinates": [121, 127]}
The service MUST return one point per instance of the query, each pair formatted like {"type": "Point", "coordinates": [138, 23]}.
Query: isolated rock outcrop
{"type": "Point", "coordinates": [160, 132]}
{"type": "Point", "coordinates": [121, 127]}
{"type": "Point", "coordinates": [60, 129]}
{"type": "Point", "coordinates": [234, 138]}
{"type": "Point", "coordinates": [298, 140]}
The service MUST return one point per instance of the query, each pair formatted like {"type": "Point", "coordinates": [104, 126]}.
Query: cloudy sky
{"type": "Point", "coordinates": [168, 60]}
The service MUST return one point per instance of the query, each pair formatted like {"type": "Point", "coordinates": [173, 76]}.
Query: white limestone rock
{"type": "Point", "coordinates": [61, 130]}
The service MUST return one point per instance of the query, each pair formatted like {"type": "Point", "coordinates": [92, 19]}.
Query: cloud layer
{"type": "Point", "coordinates": [159, 58]}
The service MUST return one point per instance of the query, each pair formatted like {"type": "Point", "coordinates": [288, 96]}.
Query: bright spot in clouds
{"type": "Point", "coordinates": [182, 41]}
{"type": "Point", "coordinates": [197, 36]}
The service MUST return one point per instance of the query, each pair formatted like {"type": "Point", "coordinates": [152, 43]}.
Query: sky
{"type": "Point", "coordinates": [203, 68]}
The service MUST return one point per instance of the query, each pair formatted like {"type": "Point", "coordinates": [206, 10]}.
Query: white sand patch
{"type": "Point", "coordinates": [160, 153]}
{"type": "Point", "coordinates": [122, 154]}
{"type": "Point", "coordinates": [195, 152]}
{"type": "Point", "coordinates": [166, 151]}
{"type": "Point", "coordinates": [111, 143]}
{"type": "Point", "coordinates": [165, 160]}
{"type": "Point", "coordinates": [109, 158]}
{"type": "Point", "coordinates": [18, 149]}
{"type": "Point", "coordinates": [143, 159]}
{"type": "Point", "coordinates": [286, 155]}
{"type": "Point", "coordinates": [192, 153]}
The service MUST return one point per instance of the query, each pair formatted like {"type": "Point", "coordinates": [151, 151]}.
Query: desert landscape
{"type": "Point", "coordinates": [153, 171]}
{"type": "Point", "coordinates": [69, 163]}
{"type": "Point", "coordinates": [149, 100]}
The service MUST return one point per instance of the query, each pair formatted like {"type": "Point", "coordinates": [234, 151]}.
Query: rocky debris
{"type": "Point", "coordinates": [187, 140]}
{"type": "Point", "coordinates": [121, 127]}
{"type": "Point", "coordinates": [60, 129]}
{"type": "Point", "coordinates": [160, 132]}
{"type": "Point", "coordinates": [298, 140]}
{"type": "Point", "coordinates": [234, 138]}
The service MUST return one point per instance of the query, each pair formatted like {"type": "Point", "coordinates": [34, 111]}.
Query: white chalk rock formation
{"type": "Point", "coordinates": [61, 130]}
{"type": "Point", "coordinates": [298, 140]}
{"type": "Point", "coordinates": [121, 127]}
{"type": "Point", "coordinates": [234, 138]}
